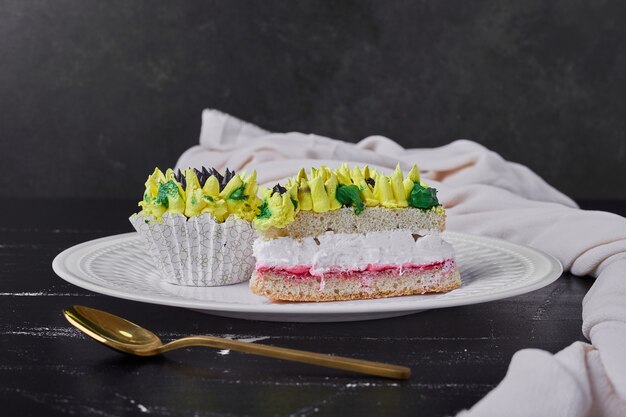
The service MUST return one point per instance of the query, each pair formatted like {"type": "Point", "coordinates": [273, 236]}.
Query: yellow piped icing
{"type": "Point", "coordinates": [325, 189]}
{"type": "Point", "coordinates": [277, 210]}
{"type": "Point", "coordinates": [165, 193]}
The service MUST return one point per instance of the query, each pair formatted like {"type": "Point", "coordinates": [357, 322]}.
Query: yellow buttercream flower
{"type": "Point", "coordinates": [343, 174]}
{"type": "Point", "coordinates": [165, 193]}
{"type": "Point", "coordinates": [149, 203]}
{"type": "Point", "coordinates": [211, 188]}
{"type": "Point", "coordinates": [383, 192]}
{"type": "Point", "coordinates": [321, 203]}
{"type": "Point", "coordinates": [277, 210]}
{"type": "Point", "coordinates": [304, 195]}
{"type": "Point", "coordinates": [414, 174]}
{"type": "Point", "coordinates": [322, 190]}
{"type": "Point", "coordinates": [331, 191]}
{"type": "Point", "coordinates": [235, 183]}
{"type": "Point", "coordinates": [369, 198]}
{"type": "Point", "coordinates": [398, 188]}
{"type": "Point", "coordinates": [194, 203]}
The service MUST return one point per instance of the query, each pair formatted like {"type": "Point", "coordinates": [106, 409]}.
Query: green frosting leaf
{"type": "Point", "coordinates": [238, 194]}
{"type": "Point", "coordinates": [423, 198]}
{"type": "Point", "coordinates": [295, 203]}
{"type": "Point", "coordinates": [264, 211]}
{"type": "Point", "coordinates": [350, 196]}
{"type": "Point", "coordinates": [167, 190]}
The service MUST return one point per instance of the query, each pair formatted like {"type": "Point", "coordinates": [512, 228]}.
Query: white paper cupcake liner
{"type": "Point", "coordinates": [198, 251]}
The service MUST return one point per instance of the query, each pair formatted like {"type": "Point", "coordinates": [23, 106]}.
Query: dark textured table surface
{"type": "Point", "coordinates": [48, 368]}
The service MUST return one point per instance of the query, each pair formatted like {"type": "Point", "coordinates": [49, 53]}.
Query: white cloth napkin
{"type": "Point", "coordinates": [484, 195]}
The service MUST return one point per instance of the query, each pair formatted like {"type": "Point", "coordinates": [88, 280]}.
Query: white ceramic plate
{"type": "Point", "coordinates": [491, 269]}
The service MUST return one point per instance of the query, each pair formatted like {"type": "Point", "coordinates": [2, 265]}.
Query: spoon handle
{"type": "Point", "coordinates": [320, 359]}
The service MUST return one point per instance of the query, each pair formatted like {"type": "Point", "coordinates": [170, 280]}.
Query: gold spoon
{"type": "Point", "coordinates": [127, 337]}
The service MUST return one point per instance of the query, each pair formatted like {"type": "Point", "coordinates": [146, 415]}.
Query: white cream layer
{"type": "Point", "coordinates": [349, 251]}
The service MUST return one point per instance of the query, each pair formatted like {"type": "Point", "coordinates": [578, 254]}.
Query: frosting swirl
{"type": "Point", "coordinates": [194, 192]}
{"type": "Point", "coordinates": [325, 190]}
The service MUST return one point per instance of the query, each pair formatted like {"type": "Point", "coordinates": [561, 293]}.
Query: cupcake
{"type": "Point", "coordinates": [351, 234]}
{"type": "Point", "coordinates": [197, 225]}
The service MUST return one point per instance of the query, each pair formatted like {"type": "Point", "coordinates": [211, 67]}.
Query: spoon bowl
{"type": "Point", "coordinates": [113, 331]}
{"type": "Point", "coordinates": [125, 336]}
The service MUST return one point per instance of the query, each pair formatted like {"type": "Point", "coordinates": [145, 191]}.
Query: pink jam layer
{"type": "Point", "coordinates": [304, 271]}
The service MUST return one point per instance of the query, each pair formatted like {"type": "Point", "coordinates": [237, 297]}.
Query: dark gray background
{"type": "Point", "coordinates": [94, 94]}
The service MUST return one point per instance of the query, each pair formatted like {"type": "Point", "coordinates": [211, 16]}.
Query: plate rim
{"type": "Point", "coordinates": [555, 270]}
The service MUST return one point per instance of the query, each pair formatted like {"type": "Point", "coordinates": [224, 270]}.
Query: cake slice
{"type": "Point", "coordinates": [351, 234]}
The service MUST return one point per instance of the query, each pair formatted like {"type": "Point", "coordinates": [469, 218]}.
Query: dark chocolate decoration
{"type": "Point", "coordinates": [220, 178]}
{"type": "Point", "coordinates": [370, 181]}
{"type": "Point", "coordinates": [279, 189]}
{"type": "Point", "coordinates": [227, 177]}
{"type": "Point", "coordinates": [199, 176]}
{"type": "Point", "coordinates": [180, 177]}
{"type": "Point", "coordinates": [204, 174]}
